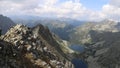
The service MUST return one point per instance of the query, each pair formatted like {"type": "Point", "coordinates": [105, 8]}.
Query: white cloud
{"type": "Point", "coordinates": [112, 10]}
{"type": "Point", "coordinates": [109, 9]}
{"type": "Point", "coordinates": [55, 8]}
{"type": "Point", "coordinates": [115, 3]}
{"type": "Point", "coordinates": [50, 2]}
{"type": "Point", "coordinates": [8, 7]}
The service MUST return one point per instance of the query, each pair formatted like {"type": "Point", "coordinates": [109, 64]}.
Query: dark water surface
{"type": "Point", "coordinates": [77, 48]}
{"type": "Point", "coordinates": [77, 62]}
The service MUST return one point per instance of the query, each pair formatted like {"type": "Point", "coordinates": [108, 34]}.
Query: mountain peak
{"type": "Point", "coordinates": [32, 51]}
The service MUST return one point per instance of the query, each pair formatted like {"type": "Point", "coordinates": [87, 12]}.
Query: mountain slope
{"type": "Point", "coordinates": [31, 48]}
{"type": "Point", "coordinates": [81, 34]}
{"type": "Point", "coordinates": [5, 23]}
{"type": "Point", "coordinates": [104, 52]}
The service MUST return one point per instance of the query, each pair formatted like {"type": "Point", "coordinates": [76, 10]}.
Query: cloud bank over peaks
{"type": "Point", "coordinates": [59, 8]}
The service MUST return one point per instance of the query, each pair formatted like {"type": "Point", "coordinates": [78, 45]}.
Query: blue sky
{"type": "Point", "coordinates": [94, 4]}
{"type": "Point", "coordinates": [93, 10]}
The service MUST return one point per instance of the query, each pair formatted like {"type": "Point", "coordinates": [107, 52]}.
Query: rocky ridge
{"type": "Point", "coordinates": [23, 47]}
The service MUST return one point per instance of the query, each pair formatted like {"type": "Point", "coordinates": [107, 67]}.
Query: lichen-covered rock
{"type": "Point", "coordinates": [23, 47]}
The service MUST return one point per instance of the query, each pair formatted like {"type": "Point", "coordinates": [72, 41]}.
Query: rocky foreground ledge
{"type": "Point", "coordinates": [23, 47]}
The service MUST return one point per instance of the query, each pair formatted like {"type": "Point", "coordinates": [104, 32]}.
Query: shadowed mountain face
{"type": "Point", "coordinates": [104, 52]}
{"type": "Point", "coordinates": [5, 23]}
{"type": "Point", "coordinates": [23, 47]}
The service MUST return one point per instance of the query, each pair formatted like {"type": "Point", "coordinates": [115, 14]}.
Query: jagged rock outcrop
{"type": "Point", "coordinates": [104, 52]}
{"type": "Point", "coordinates": [23, 47]}
{"type": "Point", "coordinates": [5, 23]}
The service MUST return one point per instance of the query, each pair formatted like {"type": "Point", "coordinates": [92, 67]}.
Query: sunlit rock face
{"type": "Point", "coordinates": [23, 47]}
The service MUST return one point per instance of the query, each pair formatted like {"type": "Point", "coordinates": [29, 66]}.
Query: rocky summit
{"type": "Point", "coordinates": [24, 47]}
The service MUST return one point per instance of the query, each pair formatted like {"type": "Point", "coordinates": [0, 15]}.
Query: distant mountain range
{"type": "Point", "coordinates": [59, 26]}
{"type": "Point", "coordinates": [81, 34]}
{"type": "Point", "coordinates": [32, 19]}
